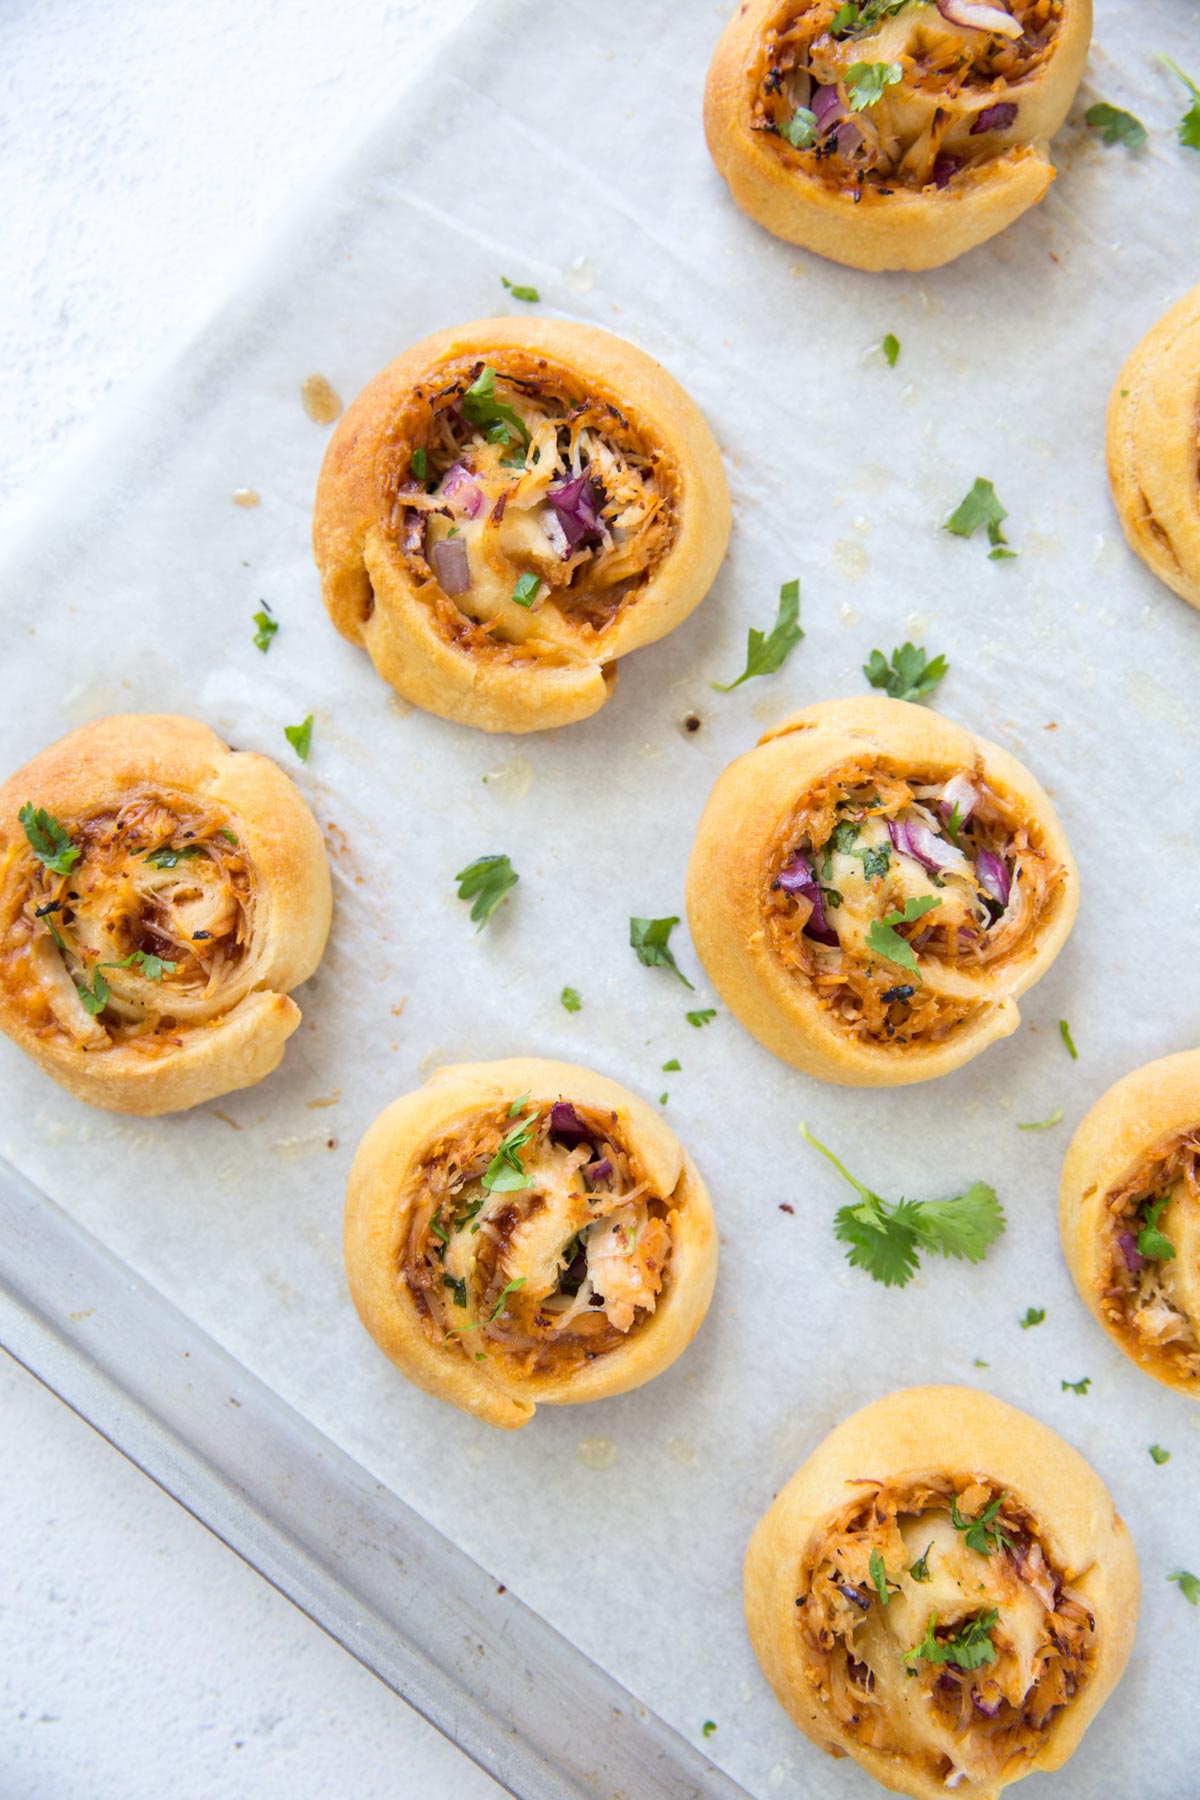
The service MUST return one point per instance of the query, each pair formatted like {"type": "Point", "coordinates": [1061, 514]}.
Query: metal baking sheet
{"type": "Point", "coordinates": [562, 146]}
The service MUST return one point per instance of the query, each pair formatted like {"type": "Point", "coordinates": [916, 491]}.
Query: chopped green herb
{"type": "Point", "coordinates": [980, 1534]}
{"type": "Point", "coordinates": [867, 83]}
{"type": "Point", "coordinates": [1033, 1316]}
{"type": "Point", "coordinates": [886, 1237]}
{"type": "Point", "coordinates": [526, 590]}
{"type": "Point", "coordinates": [920, 1569]}
{"type": "Point", "coordinates": [519, 1104]}
{"type": "Point", "coordinates": [420, 463]}
{"type": "Point", "coordinates": [227, 835]}
{"type": "Point", "coordinates": [1043, 1124]}
{"type": "Point", "coordinates": [971, 1648]}
{"type": "Point", "coordinates": [708, 1727]}
{"type": "Point", "coordinates": [300, 737]}
{"type": "Point", "coordinates": [766, 652]}
{"type": "Point", "coordinates": [891, 349]}
{"type": "Point", "coordinates": [1189, 1585]}
{"type": "Point", "coordinates": [858, 16]}
{"type": "Point", "coordinates": [95, 998]}
{"type": "Point", "coordinates": [663, 1098]}
{"type": "Point", "coordinates": [510, 1287]}
{"type": "Point", "coordinates": [498, 421]}
{"type": "Point", "coordinates": [570, 999]}
{"type": "Point", "coordinates": [267, 627]}
{"type": "Point", "coordinates": [168, 855]}
{"type": "Point", "coordinates": [701, 1018]}
{"type": "Point", "coordinates": [438, 1229]}
{"type": "Point", "coordinates": [980, 1364]}
{"type": "Point", "coordinates": [880, 1579]}
{"type": "Point", "coordinates": [50, 843]}
{"type": "Point", "coordinates": [458, 1288]}
{"type": "Point", "coordinates": [650, 941]}
{"type": "Point", "coordinates": [1159, 1455]}
{"type": "Point", "coordinates": [910, 674]}
{"type": "Point", "coordinates": [521, 293]}
{"type": "Point", "coordinates": [885, 940]}
{"type": "Point", "coordinates": [1065, 1031]}
{"type": "Point", "coordinates": [1188, 128]}
{"type": "Point", "coordinates": [981, 507]}
{"type": "Point", "coordinates": [506, 1172]}
{"type": "Point", "coordinates": [1117, 126]}
{"type": "Point", "coordinates": [152, 967]}
{"type": "Point", "coordinates": [1152, 1242]}
{"type": "Point", "coordinates": [801, 129]}
{"type": "Point", "coordinates": [485, 882]}
{"type": "Point", "coordinates": [954, 822]}
{"type": "Point", "coordinates": [669, 1068]}
{"type": "Point", "coordinates": [1077, 1387]}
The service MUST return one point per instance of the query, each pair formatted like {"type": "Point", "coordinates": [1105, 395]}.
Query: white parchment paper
{"type": "Point", "coordinates": [562, 146]}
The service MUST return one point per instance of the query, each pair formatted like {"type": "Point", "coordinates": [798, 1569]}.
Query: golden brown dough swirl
{"type": "Point", "coordinates": [1129, 1215]}
{"type": "Point", "coordinates": [510, 507]}
{"type": "Point", "coordinates": [944, 145]}
{"type": "Point", "coordinates": [146, 958]}
{"type": "Point", "coordinates": [872, 887]}
{"type": "Point", "coordinates": [526, 1232]}
{"type": "Point", "coordinates": [1154, 448]}
{"type": "Point", "coordinates": [944, 1592]}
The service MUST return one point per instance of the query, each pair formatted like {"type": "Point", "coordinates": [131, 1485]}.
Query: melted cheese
{"type": "Point", "coordinates": [865, 899]}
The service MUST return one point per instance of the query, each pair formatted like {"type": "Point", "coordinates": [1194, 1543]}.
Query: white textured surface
{"type": "Point", "coordinates": [145, 152]}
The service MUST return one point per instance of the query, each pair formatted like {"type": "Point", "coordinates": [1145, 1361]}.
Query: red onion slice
{"type": "Point", "coordinates": [827, 107]}
{"type": "Point", "coordinates": [989, 1708]}
{"type": "Point", "coordinates": [566, 1126]}
{"type": "Point", "coordinates": [576, 506]}
{"type": "Point", "coordinates": [995, 118]}
{"type": "Point", "coordinates": [993, 877]}
{"type": "Point", "coordinates": [461, 491]}
{"type": "Point", "coordinates": [979, 16]}
{"type": "Point", "coordinates": [797, 877]}
{"type": "Point", "coordinates": [599, 1171]}
{"type": "Point", "coordinates": [1135, 1262]}
{"type": "Point", "coordinates": [913, 839]}
{"type": "Point", "coordinates": [452, 566]}
{"type": "Point", "coordinates": [945, 169]}
{"type": "Point", "coordinates": [958, 792]}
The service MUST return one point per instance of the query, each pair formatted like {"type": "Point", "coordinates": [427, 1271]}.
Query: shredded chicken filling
{"type": "Point", "coordinates": [965, 1666]}
{"type": "Point", "coordinates": [548, 1273]}
{"type": "Point", "coordinates": [152, 926]}
{"type": "Point", "coordinates": [531, 517]}
{"type": "Point", "coordinates": [868, 844]}
{"type": "Point", "coordinates": [955, 106]}
{"type": "Point", "coordinates": [1149, 1297]}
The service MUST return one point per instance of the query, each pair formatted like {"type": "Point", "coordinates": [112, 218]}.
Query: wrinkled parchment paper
{"type": "Point", "coordinates": [562, 146]}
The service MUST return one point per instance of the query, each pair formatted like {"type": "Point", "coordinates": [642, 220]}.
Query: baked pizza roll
{"type": "Point", "coordinates": [160, 894]}
{"type": "Point", "coordinates": [872, 887]}
{"type": "Point", "coordinates": [508, 509]}
{"type": "Point", "coordinates": [526, 1232]}
{"type": "Point", "coordinates": [944, 1592]}
{"type": "Point", "coordinates": [892, 134]}
{"type": "Point", "coordinates": [1129, 1214]}
{"type": "Point", "coordinates": [1154, 448]}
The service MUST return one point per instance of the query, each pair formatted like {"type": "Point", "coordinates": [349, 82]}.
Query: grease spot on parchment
{"type": "Point", "coordinates": [512, 780]}
{"type": "Point", "coordinates": [1153, 703]}
{"type": "Point", "coordinates": [850, 559]}
{"type": "Point", "coordinates": [596, 1452]}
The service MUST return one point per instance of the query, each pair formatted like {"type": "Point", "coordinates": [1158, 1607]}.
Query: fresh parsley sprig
{"type": "Point", "coordinates": [801, 129]}
{"type": "Point", "coordinates": [1115, 125]}
{"type": "Point", "coordinates": [866, 83]}
{"type": "Point", "coordinates": [880, 1579]}
{"type": "Point", "coordinates": [1034, 1315]}
{"type": "Point", "coordinates": [499, 422]}
{"type": "Point", "coordinates": [768, 651]}
{"type": "Point", "coordinates": [920, 1569]}
{"type": "Point", "coordinates": [485, 882]}
{"type": "Point", "coordinates": [506, 1174]}
{"type": "Point", "coordinates": [702, 1017]}
{"type": "Point", "coordinates": [529, 294]}
{"type": "Point", "coordinates": [49, 841]}
{"type": "Point", "coordinates": [981, 507]}
{"type": "Point", "coordinates": [909, 675]}
{"type": "Point", "coordinates": [570, 999]}
{"type": "Point", "coordinates": [859, 16]}
{"type": "Point", "coordinates": [267, 627]}
{"type": "Point", "coordinates": [1188, 128]}
{"type": "Point", "coordinates": [970, 1648]}
{"type": "Point", "coordinates": [981, 1534]}
{"type": "Point", "coordinates": [1152, 1242]}
{"type": "Point", "coordinates": [885, 940]}
{"type": "Point", "coordinates": [649, 939]}
{"type": "Point", "coordinates": [886, 1238]}
{"type": "Point", "coordinates": [300, 737]}
{"type": "Point", "coordinates": [1189, 1585]}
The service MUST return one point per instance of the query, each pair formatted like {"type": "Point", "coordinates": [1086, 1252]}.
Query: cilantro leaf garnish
{"type": "Point", "coordinates": [880, 1578]}
{"type": "Point", "coordinates": [267, 627]}
{"type": "Point", "coordinates": [669, 1068]}
{"type": "Point", "coordinates": [867, 83]}
{"type": "Point", "coordinates": [300, 737]}
{"type": "Point", "coordinates": [980, 1534]}
{"type": "Point", "coordinates": [885, 940]}
{"type": "Point", "coordinates": [920, 1569]}
{"type": "Point", "coordinates": [526, 590]}
{"type": "Point", "coordinates": [1065, 1033]}
{"type": "Point", "coordinates": [858, 16]}
{"type": "Point", "coordinates": [419, 462]}
{"type": "Point", "coordinates": [701, 1018]}
{"type": "Point", "coordinates": [570, 999]}
{"type": "Point", "coordinates": [152, 967]}
{"type": "Point", "coordinates": [708, 1727]}
{"type": "Point", "coordinates": [766, 652]}
{"type": "Point", "coordinates": [1043, 1124]}
{"type": "Point", "coordinates": [1159, 1455]}
{"type": "Point", "coordinates": [910, 674]}
{"type": "Point", "coordinates": [891, 349]}
{"type": "Point", "coordinates": [649, 939]}
{"type": "Point", "coordinates": [1152, 1242]}
{"type": "Point", "coordinates": [499, 422]}
{"type": "Point", "coordinates": [1189, 1585]}
{"type": "Point", "coordinates": [981, 507]}
{"type": "Point", "coordinates": [521, 293]}
{"type": "Point", "coordinates": [485, 882]}
{"type": "Point", "coordinates": [458, 1287]}
{"type": "Point", "coordinates": [801, 129]}
{"type": "Point", "coordinates": [971, 1648]}
{"type": "Point", "coordinates": [1188, 128]}
{"type": "Point", "coordinates": [1033, 1316]}
{"type": "Point", "coordinates": [1077, 1387]}
{"type": "Point", "coordinates": [886, 1238]}
{"type": "Point", "coordinates": [510, 1287]}
{"type": "Point", "coordinates": [1118, 127]}
{"type": "Point", "coordinates": [95, 998]}
{"type": "Point", "coordinates": [167, 855]}
{"type": "Point", "coordinates": [505, 1173]}
{"type": "Point", "coordinates": [48, 840]}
